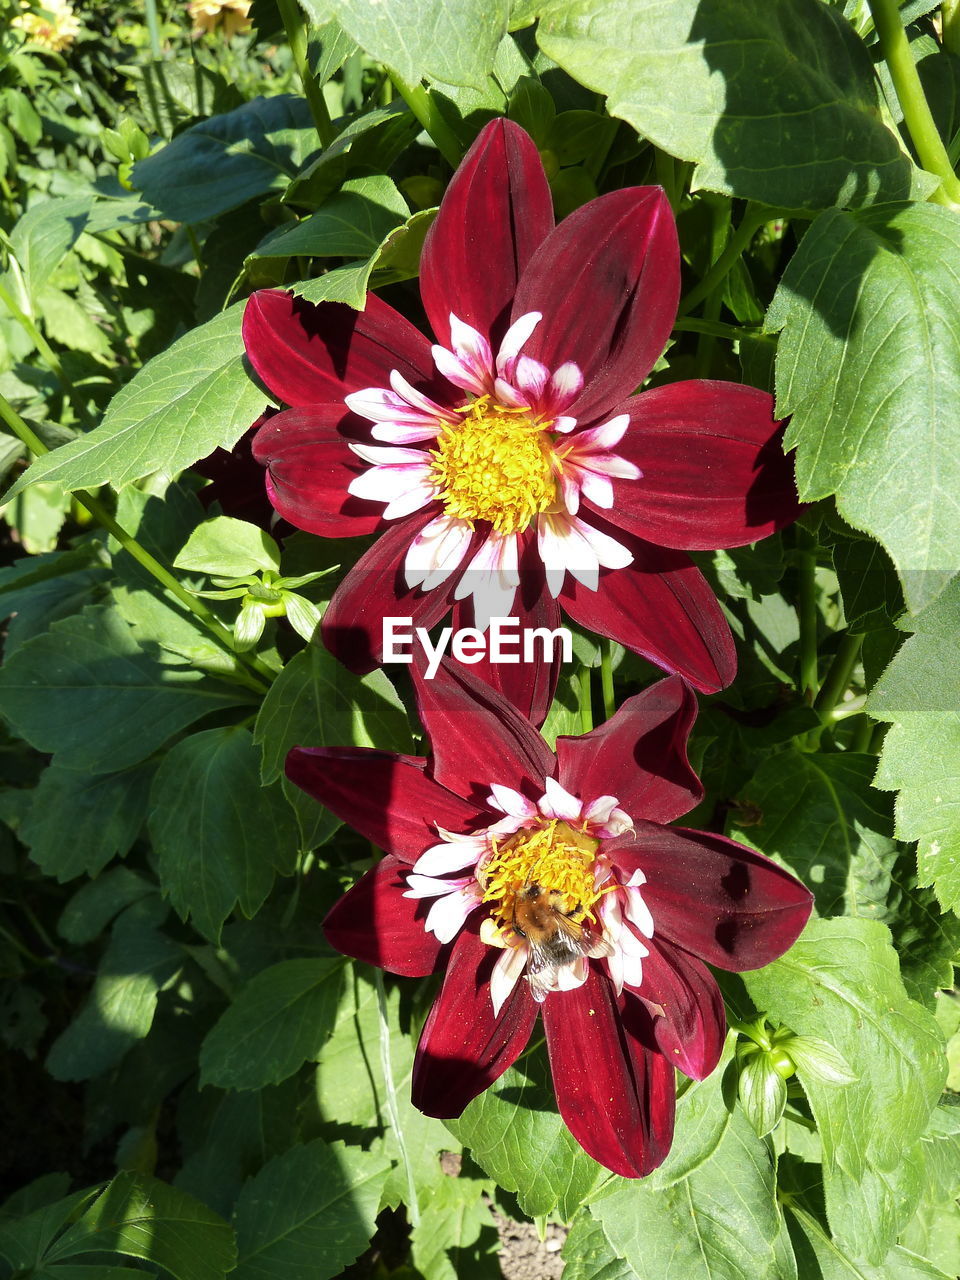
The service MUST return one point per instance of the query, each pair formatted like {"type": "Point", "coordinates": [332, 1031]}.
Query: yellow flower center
{"type": "Point", "coordinates": [495, 465]}
{"type": "Point", "coordinates": [556, 858]}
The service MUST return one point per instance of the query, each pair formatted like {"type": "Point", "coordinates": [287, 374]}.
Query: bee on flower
{"type": "Point", "coordinates": [549, 885]}
{"type": "Point", "coordinates": [53, 27]}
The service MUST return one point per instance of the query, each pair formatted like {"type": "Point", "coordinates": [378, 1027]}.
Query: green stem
{"type": "Point", "coordinates": [808, 617]}
{"type": "Point", "coordinates": [413, 1203]}
{"type": "Point", "coordinates": [861, 739]}
{"type": "Point", "coordinates": [295, 27]}
{"type": "Point", "coordinates": [47, 354]}
{"type": "Point", "coordinates": [153, 27]}
{"type": "Point", "coordinates": [423, 107]}
{"type": "Point", "coordinates": [950, 19]}
{"type": "Point", "coordinates": [917, 116]}
{"type": "Point", "coordinates": [714, 300]}
{"type": "Point", "coordinates": [717, 328]}
{"type": "Point", "coordinates": [149, 562]}
{"type": "Point", "coordinates": [837, 680]}
{"type": "Point", "coordinates": [606, 678]}
{"type": "Point", "coordinates": [583, 700]}
{"type": "Point", "coordinates": [737, 244]}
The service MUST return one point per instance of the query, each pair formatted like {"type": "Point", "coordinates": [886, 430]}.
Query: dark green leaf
{"type": "Point", "coordinates": [316, 702]}
{"type": "Point", "coordinates": [95, 903]}
{"type": "Point", "coordinates": [218, 835]}
{"type": "Point", "coordinates": [308, 1213]}
{"type": "Point", "coordinates": [179, 407]}
{"type": "Point", "coordinates": [819, 814]}
{"type": "Point", "coordinates": [351, 224]}
{"type": "Point", "coordinates": [79, 821]}
{"type": "Point", "coordinates": [42, 237]}
{"type": "Point", "coordinates": [136, 964]}
{"type": "Point", "coordinates": [144, 1218]}
{"type": "Point", "coordinates": [281, 1019]}
{"type": "Point", "coordinates": [87, 691]}
{"type": "Point", "coordinates": [223, 162]}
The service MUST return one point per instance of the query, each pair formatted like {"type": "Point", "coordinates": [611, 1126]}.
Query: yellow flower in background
{"type": "Point", "coordinates": [208, 15]}
{"type": "Point", "coordinates": [53, 27]}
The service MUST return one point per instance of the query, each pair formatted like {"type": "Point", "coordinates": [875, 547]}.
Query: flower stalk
{"type": "Point", "coordinates": [916, 110]}
{"type": "Point", "coordinates": [294, 26]}
{"type": "Point", "coordinates": [421, 104]}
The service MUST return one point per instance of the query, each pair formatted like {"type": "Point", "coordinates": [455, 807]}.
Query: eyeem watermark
{"type": "Point", "coordinates": [503, 641]}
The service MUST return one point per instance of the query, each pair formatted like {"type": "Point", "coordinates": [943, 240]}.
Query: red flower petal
{"type": "Point", "coordinates": [713, 897]}
{"type": "Point", "coordinates": [660, 607]}
{"type": "Point", "coordinates": [615, 1092]}
{"type": "Point", "coordinates": [529, 686]}
{"type": "Point", "coordinates": [714, 471]}
{"type": "Point", "coordinates": [496, 211]}
{"type": "Point", "coordinates": [386, 797]}
{"type": "Point", "coordinates": [478, 737]}
{"type": "Point", "coordinates": [310, 465]}
{"type": "Point", "coordinates": [607, 281]}
{"type": "Point", "coordinates": [375, 923]}
{"type": "Point", "coordinates": [464, 1047]}
{"type": "Point", "coordinates": [691, 1023]}
{"type": "Point", "coordinates": [307, 353]}
{"type": "Point", "coordinates": [375, 589]}
{"type": "Point", "coordinates": [639, 755]}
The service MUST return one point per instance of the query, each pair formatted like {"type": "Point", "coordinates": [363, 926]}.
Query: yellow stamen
{"type": "Point", "coordinates": [495, 465]}
{"type": "Point", "coordinates": [556, 857]}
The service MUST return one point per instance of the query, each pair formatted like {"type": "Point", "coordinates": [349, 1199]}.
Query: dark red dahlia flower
{"type": "Point", "coordinates": [511, 464]}
{"type": "Point", "coordinates": [547, 882]}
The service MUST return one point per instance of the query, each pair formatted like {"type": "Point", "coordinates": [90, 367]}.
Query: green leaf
{"type": "Point", "coordinates": [228, 1136]}
{"type": "Point", "coordinates": [228, 548]}
{"type": "Point", "coordinates": [794, 123]}
{"type": "Point", "coordinates": [763, 1094]}
{"type": "Point", "coordinates": [820, 816]}
{"type": "Point", "coordinates": [137, 962]}
{"type": "Point", "coordinates": [840, 983]}
{"type": "Point", "coordinates": [66, 321]}
{"type": "Point", "coordinates": [316, 702]}
{"type": "Point", "coordinates": [223, 162]}
{"type": "Point", "coordinates": [308, 1213]}
{"type": "Point", "coordinates": [24, 1239]}
{"type": "Point", "coordinates": [44, 235]}
{"type": "Point", "coordinates": [589, 1255]}
{"type": "Point", "coordinates": [837, 1264]}
{"type": "Point", "coordinates": [515, 1134]}
{"type": "Point", "coordinates": [869, 366]}
{"type": "Point", "coordinates": [59, 588]}
{"type": "Point", "coordinates": [281, 1019]}
{"type": "Point", "coordinates": [455, 1238]}
{"type": "Point", "coordinates": [193, 398]}
{"type": "Point", "coordinates": [351, 1091]}
{"type": "Point", "coordinates": [351, 224]}
{"type": "Point", "coordinates": [87, 691]}
{"type": "Point", "coordinates": [78, 822]}
{"type": "Point", "coordinates": [218, 835]}
{"type": "Point", "coordinates": [143, 1217]}
{"type": "Point", "coordinates": [720, 1223]}
{"type": "Point", "coordinates": [95, 903]}
{"type": "Point", "coordinates": [453, 43]}
{"type": "Point", "coordinates": [920, 693]}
